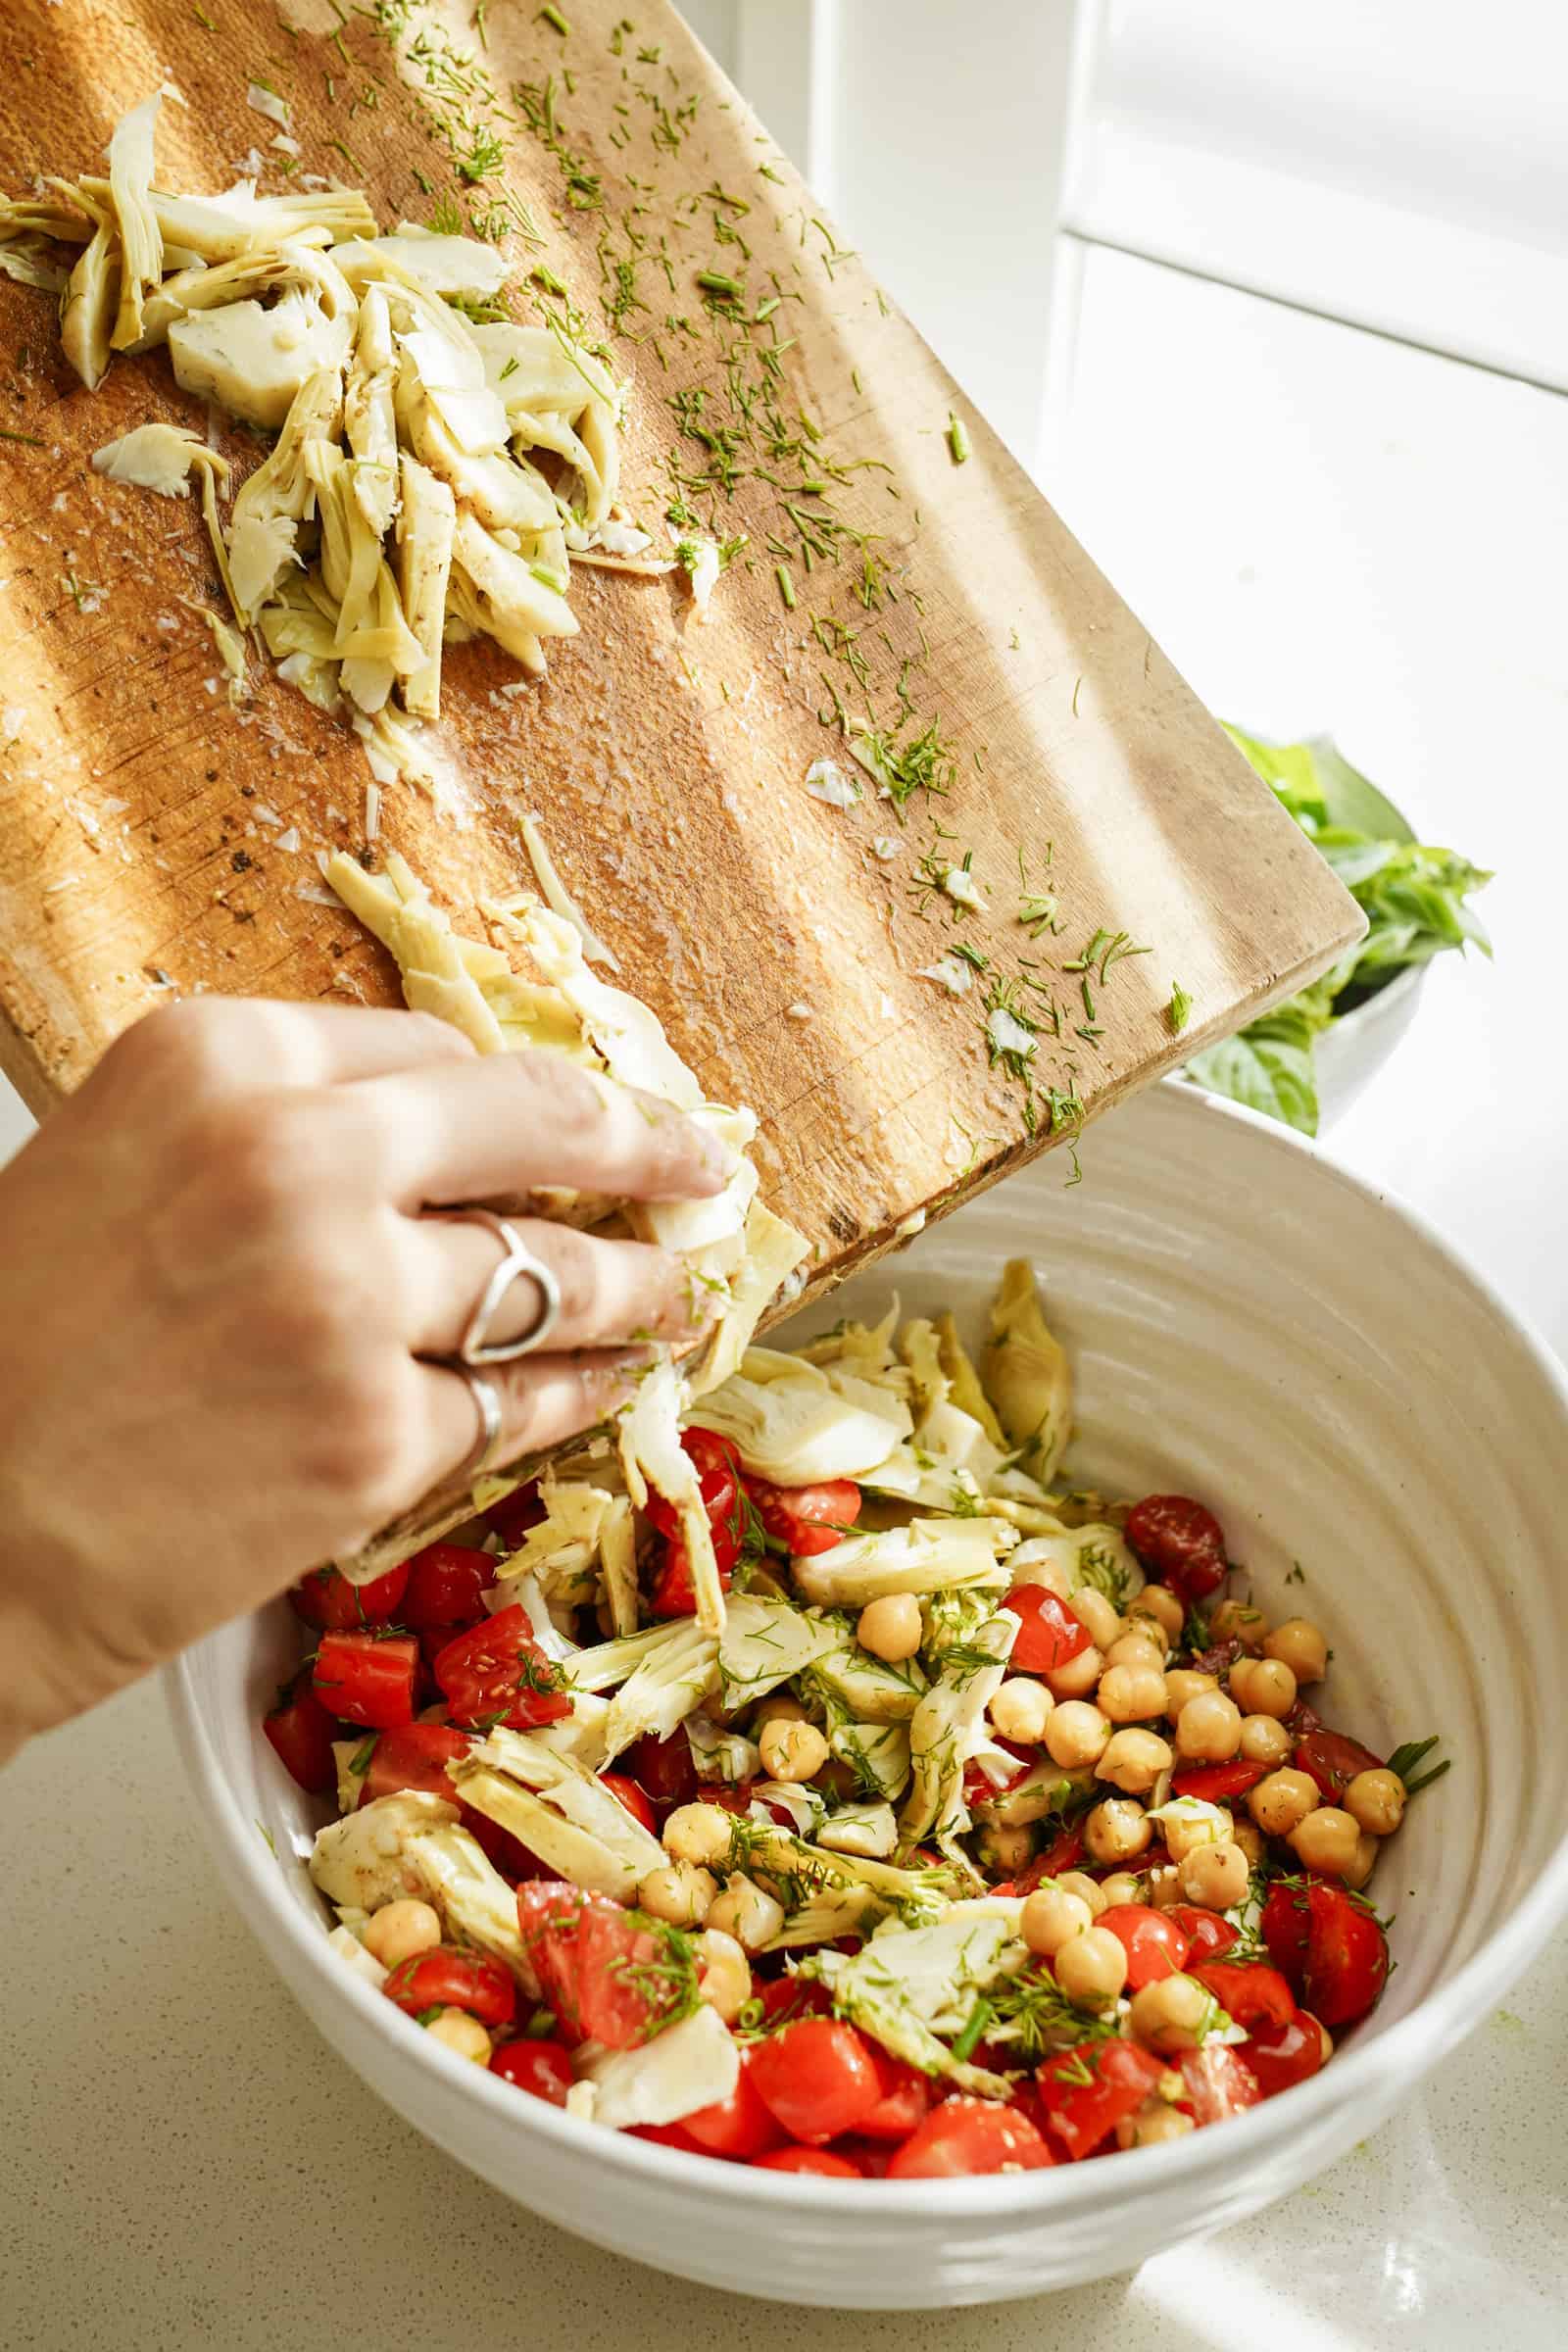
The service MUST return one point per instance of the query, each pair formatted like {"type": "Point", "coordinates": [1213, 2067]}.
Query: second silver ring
{"type": "Point", "coordinates": [517, 1260]}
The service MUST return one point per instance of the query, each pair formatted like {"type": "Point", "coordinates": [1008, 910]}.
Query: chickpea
{"type": "Point", "coordinates": [1155, 2123]}
{"type": "Point", "coordinates": [1117, 1830]}
{"type": "Point", "coordinates": [890, 1627]}
{"type": "Point", "coordinates": [1327, 1839]}
{"type": "Point", "coordinates": [460, 2032]}
{"type": "Point", "coordinates": [1377, 1799]}
{"type": "Point", "coordinates": [1264, 1740]}
{"type": "Point", "coordinates": [723, 1973]}
{"type": "Point", "coordinates": [1185, 1833]}
{"type": "Point", "coordinates": [1095, 1615]}
{"type": "Point", "coordinates": [1209, 1728]}
{"type": "Point", "coordinates": [1006, 1848]}
{"type": "Point", "coordinates": [747, 1912]}
{"type": "Point", "coordinates": [792, 1751]}
{"type": "Point", "coordinates": [680, 1893]}
{"type": "Point", "coordinates": [1183, 1686]}
{"type": "Point", "coordinates": [1159, 1602]}
{"type": "Point", "coordinates": [1132, 1693]}
{"type": "Point", "coordinates": [1216, 1876]}
{"type": "Point", "coordinates": [1091, 1968]}
{"type": "Point", "coordinates": [779, 1707]}
{"type": "Point", "coordinates": [1076, 1734]}
{"type": "Point", "coordinates": [1134, 1760]}
{"type": "Point", "coordinates": [1250, 1838]}
{"type": "Point", "coordinates": [1079, 1676]}
{"type": "Point", "coordinates": [1282, 1801]}
{"type": "Point", "coordinates": [1238, 1621]}
{"type": "Point", "coordinates": [698, 1834]}
{"type": "Point", "coordinates": [1020, 1710]}
{"type": "Point", "coordinates": [1088, 1891]}
{"type": "Point", "coordinates": [1298, 1644]}
{"type": "Point", "coordinates": [1051, 1917]}
{"type": "Point", "coordinates": [1140, 1646]}
{"type": "Point", "coordinates": [1122, 1886]}
{"type": "Point", "coordinates": [1169, 2015]}
{"type": "Point", "coordinates": [400, 1930]}
{"type": "Point", "coordinates": [1366, 1855]}
{"type": "Point", "coordinates": [1263, 1687]}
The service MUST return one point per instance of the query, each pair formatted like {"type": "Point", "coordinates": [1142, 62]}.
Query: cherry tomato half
{"type": "Point", "coordinates": [327, 1600]}
{"type": "Point", "coordinates": [718, 1468]}
{"type": "Point", "coordinates": [414, 1755]}
{"type": "Point", "coordinates": [632, 1797]}
{"type": "Point", "coordinates": [675, 1593]}
{"type": "Point", "coordinates": [1330, 1948]}
{"type": "Point", "coordinates": [497, 1672]}
{"type": "Point", "coordinates": [1048, 1634]}
{"type": "Point", "coordinates": [367, 1677]}
{"type": "Point", "coordinates": [967, 2136]}
{"type": "Point", "coordinates": [664, 1768]}
{"type": "Point", "coordinates": [541, 2068]}
{"type": "Point", "coordinates": [446, 1979]}
{"type": "Point", "coordinates": [808, 1519]}
{"type": "Point", "coordinates": [1216, 1784]}
{"type": "Point", "coordinates": [1180, 1542]}
{"type": "Point", "coordinates": [597, 1967]}
{"type": "Point", "coordinates": [302, 1732]}
{"type": "Point", "coordinates": [1250, 1991]}
{"type": "Point", "coordinates": [741, 2126]}
{"type": "Point", "coordinates": [447, 1584]}
{"type": "Point", "coordinates": [1217, 2082]}
{"type": "Point", "coordinates": [1280, 2055]}
{"type": "Point", "coordinates": [820, 2161]}
{"type": "Point", "coordinates": [1085, 2092]}
{"type": "Point", "coordinates": [906, 2096]}
{"type": "Point", "coordinates": [818, 2078]}
{"type": "Point", "coordinates": [1208, 1934]}
{"type": "Point", "coordinates": [1155, 1944]}
{"type": "Point", "coordinates": [516, 1512]}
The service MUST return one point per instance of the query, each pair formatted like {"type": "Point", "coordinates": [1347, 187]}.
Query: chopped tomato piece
{"type": "Point", "coordinates": [447, 1586]}
{"type": "Point", "coordinates": [819, 2076]}
{"type": "Point", "coordinates": [514, 1515]}
{"type": "Point", "coordinates": [1331, 1947]}
{"type": "Point", "coordinates": [821, 2160]}
{"type": "Point", "coordinates": [808, 1519]}
{"type": "Point", "coordinates": [1208, 1934]}
{"type": "Point", "coordinates": [786, 1998]}
{"type": "Point", "coordinates": [302, 1732]}
{"type": "Point", "coordinates": [1180, 1542]}
{"type": "Point", "coordinates": [327, 1600]}
{"type": "Point", "coordinates": [414, 1755]}
{"type": "Point", "coordinates": [1217, 2082]}
{"type": "Point", "coordinates": [632, 1797]}
{"type": "Point", "coordinates": [497, 1672]}
{"type": "Point", "coordinates": [446, 1979]}
{"type": "Point", "coordinates": [1280, 2055]}
{"type": "Point", "coordinates": [717, 1467]}
{"type": "Point", "coordinates": [674, 1594]}
{"type": "Point", "coordinates": [367, 1677]}
{"type": "Point", "coordinates": [541, 2068]}
{"type": "Point", "coordinates": [664, 1768]}
{"type": "Point", "coordinates": [739, 2126]}
{"type": "Point", "coordinates": [1218, 1784]}
{"type": "Point", "coordinates": [1155, 1944]}
{"type": "Point", "coordinates": [1333, 1762]}
{"type": "Point", "coordinates": [608, 1974]}
{"type": "Point", "coordinates": [1085, 2092]}
{"type": "Point", "coordinates": [1064, 1852]}
{"type": "Point", "coordinates": [1248, 1990]}
{"type": "Point", "coordinates": [1048, 1634]}
{"type": "Point", "coordinates": [967, 2136]}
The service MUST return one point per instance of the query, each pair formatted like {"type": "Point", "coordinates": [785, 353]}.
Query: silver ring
{"type": "Point", "coordinates": [488, 1402]}
{"type": "Point", "coordinates": [519, 1260]}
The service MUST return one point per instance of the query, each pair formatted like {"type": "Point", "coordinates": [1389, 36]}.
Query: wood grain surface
{"type": "Point", "coordinates": [153, 839]}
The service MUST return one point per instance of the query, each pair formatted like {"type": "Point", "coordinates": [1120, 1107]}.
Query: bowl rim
{"type": "Point", "coordinates": [1061, 2192]}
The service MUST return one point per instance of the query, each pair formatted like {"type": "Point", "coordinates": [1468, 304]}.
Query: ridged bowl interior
{"type": "Point", "coordinates": [1247, 1324]}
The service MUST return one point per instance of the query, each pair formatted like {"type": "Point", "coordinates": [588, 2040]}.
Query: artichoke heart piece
{"type": "Point", "coordinates": [427, 528]}
{"type": "Point", "coordinates": [964, 1382]}
{"type": "Point", "coordinates": [1026, 1373]}
{"type": "Point", "coordinates": [269, 507]}
{"type": "Point", "coordinates": [92, 296]}
{"type": "Point", "coordinates": [507, 587]}
{"type": "Point", "coordinates": [157, 457]}
{"type": "Point", "coordinates": [370, 419]}
{"type": "Point", "coordinates": [253, 361]}
{"type": "Point", "coordinates": [141, 239]}
{"type": "Point", "coordinates": [794, 1424]}
{"type": "Point", "coordinates": [444, 264]}
{"type": "Point", "coordinates": [929, 1556]}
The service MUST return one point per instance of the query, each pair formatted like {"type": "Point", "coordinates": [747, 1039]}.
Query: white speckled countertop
{"type": "Point", "coordinates": [1321, 528]}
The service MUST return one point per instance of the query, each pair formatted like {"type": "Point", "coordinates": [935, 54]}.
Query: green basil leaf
{"type": "Point", "coordinates": [1268, 1066]}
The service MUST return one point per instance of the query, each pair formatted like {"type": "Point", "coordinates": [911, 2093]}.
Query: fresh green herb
{"type": "Point", "coordinates": [713, 282]}
{"type": "Point", "coordinates": [968, 2039]}
{"type": "Point", "coordinates": [427, 2017]}
{"type": "Point", "coordinates": [1177, 1010]}
{"type": "Point", "coordinates": [1414, 898]}
{"type": "Point", "coordinates": [29, 440]}
{"type": "Point", "coordinates": [360, 1761]}
{"type": "Point", "coordinates": [957, 440]}
{"type": "Point", "coordinates": [446, 219]}
{"type": "Point", "coordinates": [667, 1982]}
{"type": "Point", "coordinates": [204, 20]}
{"type": "Point", "coordinates": [272, 1841]}
{"type": "Point", "coordinates": [1405, 1761]}
{"type": "Point", "coordinates": [556, 20]}
{"type": "Point", "coordinates": [1297, 1573]}
{"type": "Point", "coordinates": [786, 586]}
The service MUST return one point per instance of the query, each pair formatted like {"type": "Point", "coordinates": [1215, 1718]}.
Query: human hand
{"type": "Point", "coordinates": [219, 1299]}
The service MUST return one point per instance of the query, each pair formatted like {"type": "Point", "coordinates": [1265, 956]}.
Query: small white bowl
{"type": "Point", "coordinates": [1352, 1050]}
{"type": "Point", "coordinates": [1250, 1324]}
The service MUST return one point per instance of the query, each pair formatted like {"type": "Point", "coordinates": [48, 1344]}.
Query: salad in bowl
{"type": "Point", "coordinates": [995, 1829]}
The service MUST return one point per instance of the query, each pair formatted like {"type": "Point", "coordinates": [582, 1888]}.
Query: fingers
{"type": "Point", "coordinates": [221, 1046]}
{"type": "Point", "coordinates": [611, 1292]}
{"type": "Point", "coordinates": [512, 1122]}
{"type": "Point", "coordinates": [544, 1399]}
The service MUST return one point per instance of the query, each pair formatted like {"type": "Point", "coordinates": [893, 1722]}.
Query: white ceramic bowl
{"type": "Point", "coordinates": [1248, 1323]}
{"type": "Point", "coordinates": [1352, 1050]}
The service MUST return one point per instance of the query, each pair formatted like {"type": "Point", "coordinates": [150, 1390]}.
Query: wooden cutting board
{"type": "Point", "coordinates": [151, 838]}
